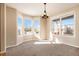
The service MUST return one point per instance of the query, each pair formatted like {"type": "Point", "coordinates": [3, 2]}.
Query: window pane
{"type": "Point", "coordinates": [37, 26]}
{"type": "Point", "coordinates": [28, 26]}
{"type": "Point", "coordinates": [67, 25]}
{"type": "Point", "coordinates": [19, 23]}
{"type": "Point", "coordinates": [56, 26]}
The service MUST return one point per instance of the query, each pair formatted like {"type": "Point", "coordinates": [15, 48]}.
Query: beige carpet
{"type": "Point", "coordinates": [34, 48]}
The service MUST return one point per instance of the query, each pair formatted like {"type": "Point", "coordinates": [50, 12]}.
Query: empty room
{"type": "Point", "coordinates": [39, 29]}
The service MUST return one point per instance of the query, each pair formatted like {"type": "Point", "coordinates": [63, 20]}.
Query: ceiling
{"type": "Point", "coordinates": [36, 9]}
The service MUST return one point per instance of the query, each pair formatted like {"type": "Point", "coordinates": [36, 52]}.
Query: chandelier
{"type": "Point", "coordinates": [45, 13]}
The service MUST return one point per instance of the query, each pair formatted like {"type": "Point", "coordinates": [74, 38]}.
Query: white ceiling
{"type": "Point", "coordinates": [36, 9]}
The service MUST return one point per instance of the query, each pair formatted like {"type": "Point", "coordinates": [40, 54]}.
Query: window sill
{"type": "Point", "coordinates": [64, 36]}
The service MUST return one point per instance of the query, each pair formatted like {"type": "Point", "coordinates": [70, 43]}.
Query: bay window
{"type": "Point", "coordinates": [27, 26]}
{"type": "Point", "coordinates": [37, 26]}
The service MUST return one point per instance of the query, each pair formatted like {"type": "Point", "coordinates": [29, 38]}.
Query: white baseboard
{"type": "Point", "coordinates": [72, 45]}
{"type": "Point", "coordinates": [11, 46]}
{"type": "Point", "coordinates": [18, 43]}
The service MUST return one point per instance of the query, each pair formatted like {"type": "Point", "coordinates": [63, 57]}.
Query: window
{"type": "Point", "coordinates": [28, 26]}
{"type": "Point", "coordinates": [37, 26]}
{"type": "Point", "coordinates": [67, 25]}
{"type": "Point", "coordinates": [19, 27]}
{"type": "Point", "coordinates": [56, 26]}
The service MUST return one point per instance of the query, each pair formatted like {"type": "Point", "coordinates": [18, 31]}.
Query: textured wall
{"type": "Point", "coordinates": [11, 17]}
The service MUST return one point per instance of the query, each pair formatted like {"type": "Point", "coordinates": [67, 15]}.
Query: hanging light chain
{"type": "Point", "coordinates": [45, 13]}
{"type": "Point", "coordinates": [45, 8]}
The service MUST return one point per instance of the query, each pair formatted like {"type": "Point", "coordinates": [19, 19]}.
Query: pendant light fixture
{"type": "Point", "coordinates": [45, 13]}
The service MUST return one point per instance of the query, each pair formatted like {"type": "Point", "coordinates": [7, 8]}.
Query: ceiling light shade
{"type": "Point", "coordinates": [45, 13]}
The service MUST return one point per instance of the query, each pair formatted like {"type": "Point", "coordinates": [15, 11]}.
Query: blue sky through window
{"type": "Point", "coordinates": [19, 22]}
{"type": "Point", "coordinates": [36, 24]}
{"type": "Point", "coordinates": [27, 23]}
{"type": "Point", "coordinates": [68, 21]}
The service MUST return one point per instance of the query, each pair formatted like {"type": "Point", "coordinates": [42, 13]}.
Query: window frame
{"type": "Point", "coordinates": [35, 34]}
{"type": "Point", "coordinates": [60, 18]}
{"type": "Point", "coordinates": [66, 18]}
{"type": "Point", "coordinates": [34, 25]}
{"type": "Point", "coordinates": [28, 18]}
{"type": "Point", "coordinates": [21, 25]}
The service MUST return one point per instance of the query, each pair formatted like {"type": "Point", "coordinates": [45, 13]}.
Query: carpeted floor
{"type": "Point", "coordinates": [36, 48]}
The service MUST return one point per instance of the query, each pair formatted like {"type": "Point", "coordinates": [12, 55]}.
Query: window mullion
{"type": "Point", "coordinates": [60, 26]}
